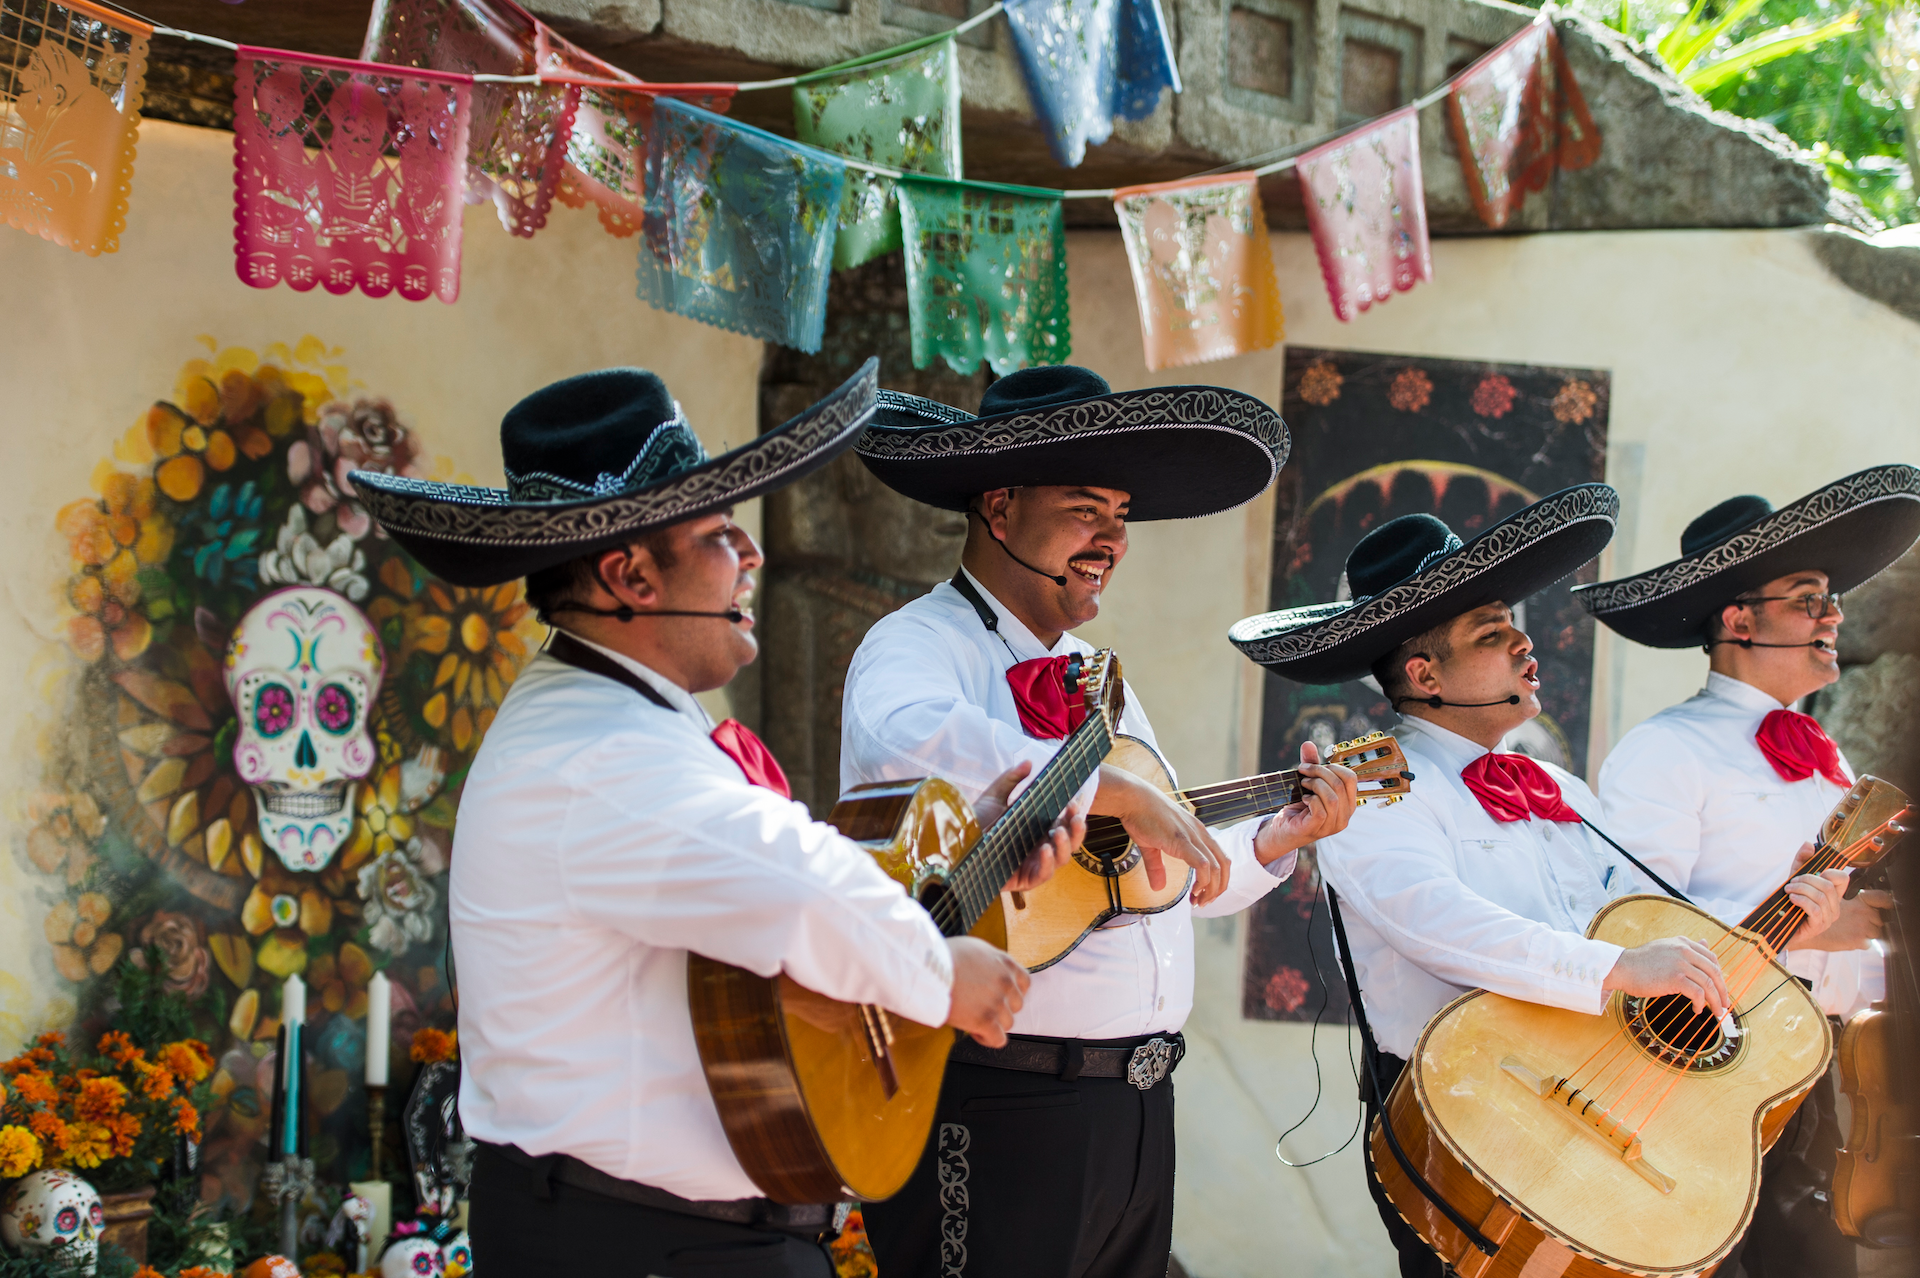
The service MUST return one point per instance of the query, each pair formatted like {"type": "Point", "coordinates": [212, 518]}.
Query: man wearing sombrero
{"type": "Point", "coordinates": [607, 828]}
{"type": "Point", "coordinates": [1487, 875]}
{"type": "Point", "coordinates": [1721, 793]}
{"type": "Point", "coordinates": [1055, 1154]}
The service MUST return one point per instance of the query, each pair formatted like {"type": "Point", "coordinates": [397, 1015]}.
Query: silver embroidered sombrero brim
{"type": "Point", "coordinates": [1849, 529]}
{"type": "Point", "coordinates": [1526, 552]}
{"type": "Point", "coordinates": [474, 536]}
{"type": "Point", "coordinates": [1180, 452]}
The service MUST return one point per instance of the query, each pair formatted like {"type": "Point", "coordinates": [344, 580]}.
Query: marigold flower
{"type": "Point", "coordinates": [186, 1119]}
{"type": "Point", "coordinates": [189, 1059]}
{"type": "Point", "coordinates": [115, 1045]}
{"type": "Point", "coordinates": [431, 1046]}
{"type": "Point", "coordinates": [90, 1145]}
{"type": "Point", "coordinates": [156, 1081]}
{"type": "Point", "coordinates": [53, 1132]}
{"type": "Point", "coordinates": [148, 1271]}
{"type": "Point", "coordinates": [100, 1099]}
{"type": "Point", "coordinates": [51, 1039]}
{"type": "Point", "coordinates": [126, 1129]}
{"type": "Point", "coordinates": [35, 1088]}
{"type": "Point", "coordinates": [19, 1152]}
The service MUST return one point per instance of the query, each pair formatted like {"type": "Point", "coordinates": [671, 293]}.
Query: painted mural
{"type": "Point", "coordinates": [267, 715]}
{"type": "Point", "coordinates": [1377, 436]}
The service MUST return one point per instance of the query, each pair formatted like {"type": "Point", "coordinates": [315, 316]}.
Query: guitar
{"type": "Point", "coordinates": [1627, 1142]}
{"type": "Point", "coordinates": [1108, 878]}
{"type": "Point", "coordinates": [822, 1100]}
{"type": "Point", "coordinates": [1876, 1177]}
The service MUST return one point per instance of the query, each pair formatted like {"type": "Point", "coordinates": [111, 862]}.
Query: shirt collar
{"type": "Point", "coordinates": [1453, 749]}
{"type": "Point", "coordinates": [677, 696]}
{"type": "Point", "coordinates": [1024, 642]}
{"type": "Point", "coordinates": [1745, 695]}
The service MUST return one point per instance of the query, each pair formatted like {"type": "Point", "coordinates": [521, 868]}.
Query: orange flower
{"type": "Point", "coordinates": [119, 1048]}
{"type": "Point", "coordinates": [186, 1119]}
{"type": "Point", "coordinates": [19, 1152]}
{"type": "Point", "coordinates": [125, 1129]}
{"type": "Point", "coordinates": [156, 1081]}
{"type": "Point", "coordinates": [62, 838]}
{"type": "Point", "coordinates": [431, 1046]}
{"type": "Point", "coordinates": [90, 1145]}
{"type": "Point", "coordinates": [100, 1099]}
{"type": "Point", "coordinates": [36, 1088]}
{"type": "Point", "coordinates": [80, 947]}
{"type": "Point", "coordinates": [189, 1059]}
{"type": "Point", "coordinates": [148, 1271]}
{"type": "Point", "coordinates": [186, 448]}
{"type": "Point", "coordinates": [111, 540]}
{"type": "Point", "coordinates": [52, 1131]}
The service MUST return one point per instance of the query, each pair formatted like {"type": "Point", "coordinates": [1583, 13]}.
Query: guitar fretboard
{"type": "Point", "coordinates": [976, 884]}
{"type": "Point", "coordinates": [1215, 805]}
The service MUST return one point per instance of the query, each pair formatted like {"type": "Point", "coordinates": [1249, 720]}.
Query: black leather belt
{"type": "Point", "coordinates": [804, 1218]}
{"type": "Point", "coordinates": [1141, 1061]}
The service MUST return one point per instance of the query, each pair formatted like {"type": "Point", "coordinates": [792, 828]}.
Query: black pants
{"type": "Point", "coordinates": [527, 1225]}
{"type": "Point", "coordinates": [1793, 1234]}
{"type": "Point", "coordinates": [1417, 1260]}
{"type": "Point", "coordinates": [1030, 1176]}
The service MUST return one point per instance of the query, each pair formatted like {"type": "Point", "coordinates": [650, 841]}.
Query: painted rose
{"type": "Point", "coordinates": [363, 435]}
{"type": "Point", "coordinates": [181, 942]}
{"type": "Point", "coordinates": [399, 898]}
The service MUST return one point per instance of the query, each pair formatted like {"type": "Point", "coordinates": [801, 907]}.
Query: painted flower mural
{"type": "Point", "coordinates": [260, 747]}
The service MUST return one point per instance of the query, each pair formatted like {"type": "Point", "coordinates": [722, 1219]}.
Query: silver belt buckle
{"type": "Point", "coordinates": [1149, 1063]}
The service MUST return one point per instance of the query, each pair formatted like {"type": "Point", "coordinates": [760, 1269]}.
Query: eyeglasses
{"type": "Point", "coordinates": [1817, 606]}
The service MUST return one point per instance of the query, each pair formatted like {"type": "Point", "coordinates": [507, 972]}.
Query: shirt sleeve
{"type": "Point", "coordinates": [906, 713]}
{"type": "Point", "coordinates": [733, 871]}
{"type": "Point", "coordinates": [1651, 797]}
{"type": "Point", "coordinates": [1247, 879]}
{"type": "Point", "coordinates": [1395, 867]}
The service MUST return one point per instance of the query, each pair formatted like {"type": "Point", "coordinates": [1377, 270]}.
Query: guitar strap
{"type": "Point", "coordinates": [1373, 1091]}
{"type": "Point", "coordinates": [564, 647]}
{"type": "Point", "coordinates": [1665, 886]}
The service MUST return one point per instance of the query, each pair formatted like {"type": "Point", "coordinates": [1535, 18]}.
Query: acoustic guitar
{"type": "Point", "coordinates": [1627, 1142]}
{"type": "Point", "coordinates": [1108, 878]}
{"type": "Point", "coordinates": [822, 1100]}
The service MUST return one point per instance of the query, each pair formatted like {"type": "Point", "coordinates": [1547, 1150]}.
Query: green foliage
{"type": "Point", "coordinates": [1831, 74]}
{"type": "Point", "coordinates": [114, 1263]}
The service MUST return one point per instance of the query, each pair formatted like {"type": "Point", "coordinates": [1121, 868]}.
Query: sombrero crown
{"type": "Point", "coordinates": [1412, 573]}
{"type": "Point", "coordinates": [1849, 530]}
{"type": "Point", "coordinates": [1178, 451]}
{"type": "Point", "coordinates": [593, 460]}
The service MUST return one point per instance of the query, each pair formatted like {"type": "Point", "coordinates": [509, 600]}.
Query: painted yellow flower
{"type": "Point", "coordinates": [111, 540]}
{"type": "Point", "coordinates": [481, 637]}
{"type": "Point", "coordinates": [385, 823]}
{"type": "Point", "coordinates": [187, 449]}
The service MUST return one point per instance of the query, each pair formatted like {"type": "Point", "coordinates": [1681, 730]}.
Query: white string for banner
{"type": "Point", "coordinates": [1263, 169]}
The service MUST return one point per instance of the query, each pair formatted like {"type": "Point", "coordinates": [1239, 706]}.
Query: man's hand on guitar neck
{"type": "Point", "coordinates": [1161, 828]}
{"type": "Point", "coordinates": [1833, 921]}
{"type": "Point", "coordinates": [1329, 795]}
{"type": "Point", "coordinates": [1672, 965]}
{"type": "Point", "coordinates": [1068, 833]}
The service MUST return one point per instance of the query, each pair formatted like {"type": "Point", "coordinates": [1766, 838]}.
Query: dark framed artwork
{"type": "Point", "coordinates": [1377, 436]}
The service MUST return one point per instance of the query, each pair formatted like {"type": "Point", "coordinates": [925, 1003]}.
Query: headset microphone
{"type": "Point", "coordinates": [1059, 580]}
{"type": "Point", "coordinates": [1436, 702]}
{"type": "Point", "coordinates": [1755, 643]}
{"type": "Point", "coordinates": [624, 613]}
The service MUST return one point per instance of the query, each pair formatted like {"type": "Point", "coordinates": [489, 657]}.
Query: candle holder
{"type": "Point", "coordinates": [286, 1182]}
{"type": "Point", "coordinates": [376, 1128]}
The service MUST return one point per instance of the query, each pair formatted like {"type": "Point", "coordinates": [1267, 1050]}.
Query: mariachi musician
{"type": "Point", "coordinates": [608, 828]}
{"type": "Point", "coordinates": [1054, 1155]}
{"type": "Point", "coordinates": [1720, 793]}
{"type": "Point", "coordinates": [1487, 874]}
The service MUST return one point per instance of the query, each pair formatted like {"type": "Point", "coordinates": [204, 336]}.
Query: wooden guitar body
{"type": "Point", "coordinates": [801, 1089]}
{"type": "Point", "coordinates": [1876, 1180]}
{"type": "Point", "coordinates": [1044, 925]}
{"type": "Point", "coordinates": [1664, 1186]}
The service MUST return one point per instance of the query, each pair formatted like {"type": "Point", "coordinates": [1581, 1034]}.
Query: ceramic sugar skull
{"type": "Point", "coordinates": [53, 1210]}
{"type": "Point", "coordinates": [456, 1256]}
{"type": "Point", "coordinates": [303, 669]}
{"type": "Point", "coordinates": [415, 1257]}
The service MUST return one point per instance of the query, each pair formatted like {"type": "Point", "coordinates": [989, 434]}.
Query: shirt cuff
{"type": "Point", "coordinates": [1580, 974]}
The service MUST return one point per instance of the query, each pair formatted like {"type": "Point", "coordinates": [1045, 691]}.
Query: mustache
{"type": "Point", "coordinates": [1099, 557]}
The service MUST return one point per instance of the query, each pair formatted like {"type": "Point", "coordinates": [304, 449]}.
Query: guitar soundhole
{"type": "Point", "coordinates": [1670, 1031]}
{"type": "Point", "coordinates": [1111, 867]}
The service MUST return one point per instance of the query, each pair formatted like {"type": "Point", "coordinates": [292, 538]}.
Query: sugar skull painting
{"type": "Point", "coordinates": [303, 669]}
{"type": "Point", "coordinates": [256, 749]}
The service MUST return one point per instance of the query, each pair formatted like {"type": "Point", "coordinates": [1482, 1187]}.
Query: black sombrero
{"type": "Point", "coordinates": [1850, 530]}
{"type": "Point", "coordinates": [1179, 451]}
{"type": "Point", "coordinates": [593, 460]}
{"type": "Point", "coordinates": [1412, 573]}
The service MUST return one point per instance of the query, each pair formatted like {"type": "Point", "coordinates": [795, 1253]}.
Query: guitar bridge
{"type": "Point", "coordinates": [1592, 1116]}
{"type": "Point", "coordinates": [879, 1031]}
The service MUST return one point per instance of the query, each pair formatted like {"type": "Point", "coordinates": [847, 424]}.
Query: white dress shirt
{"type": "Point", "coordinates": [602, 837]}
{"type": "Point", "coordinates": [1689, 792]}
{"type": "Point", "coordinates": [927, 695]}
{"type": "Point", "coordinates": [1439, 898]}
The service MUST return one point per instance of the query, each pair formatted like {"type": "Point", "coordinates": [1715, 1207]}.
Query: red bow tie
{"type": "Point", "coordinates": [1512, 787]}
{"type": "Point", "coordinates": [1797, 747]}
{"type": "Point", "coordinates": [1040, 694]}
{"type": "Point", "coordinates": [739, 743]}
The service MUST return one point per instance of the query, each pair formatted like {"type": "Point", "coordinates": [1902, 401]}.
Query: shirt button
{"type": "Point", "coordinates": [1161, 1006]}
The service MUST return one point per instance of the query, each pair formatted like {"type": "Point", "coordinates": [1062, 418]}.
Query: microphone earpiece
{"type": "Point", "coordinates": [624, 613]}
{"type": "Point", "coordinates": [1058, 580]}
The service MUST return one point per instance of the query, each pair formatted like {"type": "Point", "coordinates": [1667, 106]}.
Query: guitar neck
{"type": "Point", "coordinates": [976, 884]}
{"type": "Point", "coordinates": [1231, 801]}
{"type": "Point", "coordinates": [1777, 918]}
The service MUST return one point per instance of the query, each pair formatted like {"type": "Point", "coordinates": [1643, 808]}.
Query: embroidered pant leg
{"type": "Point", "coordinates": [1026, 1174]}
{"type": "Point", "coordinates": [550, 1228]}
{"type": "Point", "coordinates": [1417, 1260]}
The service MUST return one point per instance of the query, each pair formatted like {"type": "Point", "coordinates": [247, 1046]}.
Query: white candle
{"type": "Point", "coordinates": [293, 1010]}
{"type": "Point", "coordinates": [379, 1028]}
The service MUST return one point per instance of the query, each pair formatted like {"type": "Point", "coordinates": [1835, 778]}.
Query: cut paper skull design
{"type": "Point", "coordinates": [54, 1211]}
{"type": "Point", "coordinates": [303, 669]}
